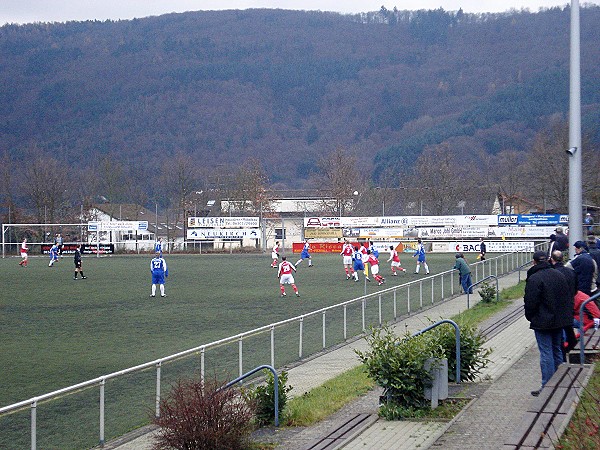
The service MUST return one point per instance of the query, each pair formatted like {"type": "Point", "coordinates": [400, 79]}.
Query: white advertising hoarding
{"type": "Point", "coordinates": [223, 222]}
{"type": "Point", "coordinates": [517, 232]}
{"type": "Point", "coordinates": [222, 233]}
{"type": "Point", "coordinates": [118, 225]}
{"type": "Point", "coordinates": [473, 247]}
{"type": "Point", "coordinates": [473, 220]}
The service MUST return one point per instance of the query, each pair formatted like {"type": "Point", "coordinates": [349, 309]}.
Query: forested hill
{"type": "Point", "coordinates": [287, 87]}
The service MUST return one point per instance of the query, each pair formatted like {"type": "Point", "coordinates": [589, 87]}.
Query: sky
{"type": "Point", "coordinates": [27, 11]}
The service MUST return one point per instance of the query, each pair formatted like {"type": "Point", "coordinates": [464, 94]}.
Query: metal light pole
{"type": "Point", "coordinates": [575, 151]}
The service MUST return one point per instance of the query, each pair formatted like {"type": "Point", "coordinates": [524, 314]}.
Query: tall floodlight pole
{"type": "Point", "coordinates": [575, 151]}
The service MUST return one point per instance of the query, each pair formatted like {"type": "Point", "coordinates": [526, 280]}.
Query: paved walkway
{"type": "Point", "coordinates": [503, 393]}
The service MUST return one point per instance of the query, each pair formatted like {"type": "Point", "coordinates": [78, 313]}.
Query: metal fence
{"type": "Point", "coordinates": [135, 392]}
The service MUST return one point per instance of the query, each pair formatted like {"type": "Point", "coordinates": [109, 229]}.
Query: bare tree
{"type": "Point", "coordinates": [48, 185]}
{"type": "Point", "coordinates": [511, 175]}
{"type": "Point", "coordinates": [547, 168]}
{"type": "Point", "coordinates": [341, 178]}
{"type": "Point", "coordinates": [250, 192]}
{"type": "Point", "coordinates": [440, 180]}
{"type": "Point", "coordinates": [179, 181]}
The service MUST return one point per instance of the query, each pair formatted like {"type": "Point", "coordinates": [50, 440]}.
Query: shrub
{"type": "Point", "coordinates": [473, 357]}
{"type": "Point", "coordinates": [263, 397]}
{"type": "Point", "coordinates": [201, 415]}
{"type": "Point", "coordinates": [487, 292]}
{"type": "Point", "coordinates": [397, 364]}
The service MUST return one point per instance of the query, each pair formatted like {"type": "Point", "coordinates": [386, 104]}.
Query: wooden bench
{"type": "Point", "coordinates": [343, 432]}
{"type": "Point", "coordinates": [549, 414]}
{"type": "Point", "coordinates": [591, 340]}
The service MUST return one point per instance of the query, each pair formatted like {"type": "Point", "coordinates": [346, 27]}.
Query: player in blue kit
{"type": "Point", "coordinates": [305, 254]}
{"type": "Point", "coordinates": [158, 246]}
{"type": "Point", "coordinates": [53, 255]}
{"type": "Point", "coordinates": [358, 264]}
{"type": "Point", "coordinates": [159, 271]}
{"type": "Point", "coordinates": [420, 253]}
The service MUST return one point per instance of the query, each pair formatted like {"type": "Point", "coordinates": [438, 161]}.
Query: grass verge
{"type": "Point", "coordinates": [583, 431]}
{"type": "Point", "coordinates": [328, 398]}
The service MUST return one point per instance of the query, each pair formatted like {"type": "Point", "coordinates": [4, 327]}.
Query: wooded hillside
{"type": "Point", "coordinates": [285, 88]}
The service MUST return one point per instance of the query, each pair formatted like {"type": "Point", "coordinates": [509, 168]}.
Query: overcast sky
{"type": "Point", "coordinates": [26, 11]}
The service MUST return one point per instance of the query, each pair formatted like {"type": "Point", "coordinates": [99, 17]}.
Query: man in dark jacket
{"type": "Point", "coordinates": [585, 268]}
{"type": "Point", "coordinates": [557, 262]}
{"type": "Point", "coordinates": [549, 309]}
{"type": "Point", "coordinates": [561, 241]}
{"type": "Point", "coordinates": [595, 254]}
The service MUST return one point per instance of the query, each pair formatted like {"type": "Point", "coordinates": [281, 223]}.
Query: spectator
{"type": "Point", "coordinates": [570, 340]}
{"type": "Point", "coordinates": [548, 308]}
{"type": "Point", "coordinates": [594, 252]}
{"type": "Point", "coordinates": [591, 312]}
{"type": "Point", "coordinates": [562, 241]}
{"type": "Point", "coordinates": [551, 244]}
{"type": "Point", "coordinates": [464, 272]}
{"type": "Point", "coordinates": [585, 269]}
{"type": "Point", "coordinates": [589, 223]}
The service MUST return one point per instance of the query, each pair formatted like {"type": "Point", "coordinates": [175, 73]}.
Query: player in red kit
{"type": "Point", "coordinates": [285, 276]}
{"type": "Point", "coordinates": [24, 250]}
{"type": "Point", "coordinates": [275, 254]}
{"type": "Point", "coordinates": [374, 262]}
{"type": "Point", "coordinates": [395, 259]}
{"type": "Point", "coordinates": [346, 253]}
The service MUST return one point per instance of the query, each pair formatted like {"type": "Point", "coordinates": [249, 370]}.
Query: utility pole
{"type": "Point", "coordinates": [575, 150]}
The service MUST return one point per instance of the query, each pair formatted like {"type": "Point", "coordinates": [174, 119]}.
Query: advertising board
{"type": "Point", "coordinates": [118, 225]}
{"type": "Point", "coordinates": [222, 233]}
{"type": "Point", "coordinates": [223, 222]}
{"type": "Point", "coordinates": [533, 219]}
{"type": "Point", "coordinates": [473, 246]}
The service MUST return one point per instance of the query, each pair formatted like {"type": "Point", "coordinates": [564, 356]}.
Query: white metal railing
{"type": "Point", "coordinates": [494, 266]}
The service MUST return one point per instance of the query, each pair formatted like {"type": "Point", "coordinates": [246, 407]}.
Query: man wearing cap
{"type": "Point", "coordinates": [548, 308]}
{"type": "Point", "coordinates": [585, 268]}
{"type": "Point", "coordinates": [561, 241]}
{"type": "Point", "coordinates": [589, 223]}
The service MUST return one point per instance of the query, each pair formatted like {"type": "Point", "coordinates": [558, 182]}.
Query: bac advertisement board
{"type": "Point", "coordinates": [473, 247]}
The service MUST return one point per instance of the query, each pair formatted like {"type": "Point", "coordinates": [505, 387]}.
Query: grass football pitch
{"type": "Point", "coordinates": [58, 332]}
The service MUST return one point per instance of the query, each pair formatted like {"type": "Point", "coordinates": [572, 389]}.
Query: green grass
{"type": "Point", "coordinates": [513, 292]}
{"type": "Point", "coordinates": [583, 431]}
{"type": "Point", "coordinates": [328, 398]}
{"type": "Point", "coordinates": [57, 332]}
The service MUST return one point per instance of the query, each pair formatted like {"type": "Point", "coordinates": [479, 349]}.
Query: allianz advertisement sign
{"type": "Point", "coordinates": [533, 219]}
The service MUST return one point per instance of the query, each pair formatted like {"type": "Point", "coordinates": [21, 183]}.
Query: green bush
{"type": "Point", "coordinates": [473, 357]}
{"type": "Point", "coordinates": [397, 365]}
{"type": "Point", "coordinates": [263, 397]}
{"type": "Point", "coordinates": [487, 292]}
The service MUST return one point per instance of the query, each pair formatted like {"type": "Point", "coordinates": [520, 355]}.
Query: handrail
{"type": "Point", "coordinates": [276, 387]}
{"type": "Point", "coordinates": [581, 331]}
{"type": "Point", "coordinates": [456, 337]}
{"type": "Point", "coordinates": [521, 267]}
{"type": "Point", "coordinates": [479, 282]}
